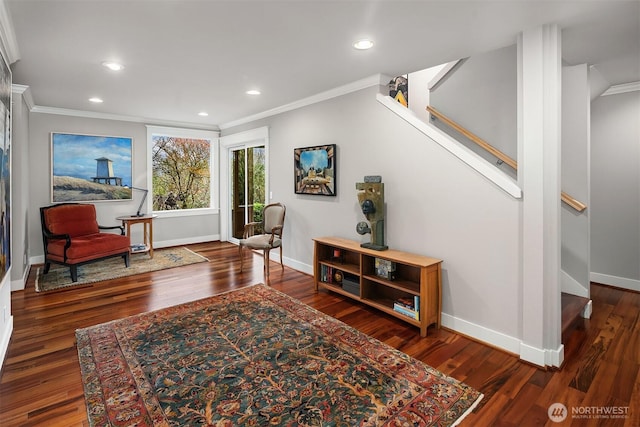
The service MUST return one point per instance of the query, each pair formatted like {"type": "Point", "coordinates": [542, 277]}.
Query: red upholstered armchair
{"type": "Point", "coordinates": [72, 237]}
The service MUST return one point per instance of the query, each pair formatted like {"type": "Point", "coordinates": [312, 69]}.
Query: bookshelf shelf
{"type": "Point", "coordinates": [342, 266]}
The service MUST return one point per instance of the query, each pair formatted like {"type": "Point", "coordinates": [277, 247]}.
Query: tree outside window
{"type": "Point", "coordinates": [181, 173]}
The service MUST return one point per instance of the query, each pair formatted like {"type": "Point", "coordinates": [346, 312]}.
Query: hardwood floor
{"type": "Point", "coordinates": [41, 384]}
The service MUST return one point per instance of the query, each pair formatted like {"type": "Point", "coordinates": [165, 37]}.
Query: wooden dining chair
{"type": "Point", "coordinates": [265, 235]}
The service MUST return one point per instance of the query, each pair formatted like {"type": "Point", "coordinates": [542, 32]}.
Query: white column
{"type": "Point", "coordinates": [539, 107]}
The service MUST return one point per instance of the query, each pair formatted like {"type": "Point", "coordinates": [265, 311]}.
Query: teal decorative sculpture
{"type": "Point", "coordinates": [371, 200]}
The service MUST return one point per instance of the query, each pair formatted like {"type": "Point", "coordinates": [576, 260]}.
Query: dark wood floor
{"type": "Point", "coordinates": [41, 384]}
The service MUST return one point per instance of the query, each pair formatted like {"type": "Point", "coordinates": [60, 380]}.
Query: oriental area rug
{"type": "Point", "coordinates": [59, 277]}
{"type": "Point", "coordinates": [257, 357]}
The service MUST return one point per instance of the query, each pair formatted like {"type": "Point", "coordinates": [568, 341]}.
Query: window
{"type": "Point", "coordinates": [181, 167]}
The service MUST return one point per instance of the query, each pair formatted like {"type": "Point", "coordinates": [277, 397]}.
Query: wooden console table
{"type": "Point", "coordinates": [147, 225]}
{"type": "Point", "coordinates": [342, 266]}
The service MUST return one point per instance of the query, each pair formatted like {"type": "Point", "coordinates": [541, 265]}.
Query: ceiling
{"type": "Point", "coordinates": [184, 57]}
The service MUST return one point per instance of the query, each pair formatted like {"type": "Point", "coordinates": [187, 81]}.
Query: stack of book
{"type": "Point", "coordinates": [408, 306]}
{"type": "Point", "coordinates": [326, 274]}
{"type": "Point", "coordinates": [138, 247]}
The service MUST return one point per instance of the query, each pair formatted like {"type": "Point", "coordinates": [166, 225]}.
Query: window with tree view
{"type": "Point", "coordinates": [181, 173]}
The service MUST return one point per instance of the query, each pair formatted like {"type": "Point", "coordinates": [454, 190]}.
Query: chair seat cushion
{"type": "Point", "coordinates": [88, 247]}
{"type": "Point", "coordinates": [260, 241]}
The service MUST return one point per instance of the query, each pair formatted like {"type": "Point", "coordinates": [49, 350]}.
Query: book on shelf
{"type": "Point", "coordinates": [409, 302]}
{"type": "Point", "coordinates": [327, 274]}
{"type": "Point", "coordinates": [138, 247]}
{"type": "Point", "coordinates": [414, 314]}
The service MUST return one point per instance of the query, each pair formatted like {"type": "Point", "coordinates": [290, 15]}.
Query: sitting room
{"type": "Point", "coordinates": [260, 213]}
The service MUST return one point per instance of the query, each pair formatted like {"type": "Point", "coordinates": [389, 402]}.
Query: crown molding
{"type": "Point", "coordinates": [122, 118]}
{"type": "Point", "coordinates": [375, 80]}
{"type": "Point", "coordinates": [622, 88]}
{"type": "Point", "coordinates": [8, 43]}
{"type": "Point", "coordinates": [25, 91]}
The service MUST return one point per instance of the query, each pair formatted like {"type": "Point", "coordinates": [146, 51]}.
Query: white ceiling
{"type": "Point", "coordinates": [182, 57]}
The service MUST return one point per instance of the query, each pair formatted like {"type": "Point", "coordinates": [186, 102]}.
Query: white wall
{"type": "Point", "coordinates": [575, 179]}
{"type": "Point", "coordinates": [166, 231]}
{"type": "Point", "coordinates": [615, 190]}
{"type": "Point", "coordinates": [435, 204]}
{"type": "Point", "coordinates": [419, 93]}
{"type": "Point", "coordinates": [480, 95]}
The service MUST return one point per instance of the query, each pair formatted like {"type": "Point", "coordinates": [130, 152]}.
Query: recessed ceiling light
{"type": "Point", "coordinates": [203, 114]}
{"type": "Point", "coordinates": [363, 44]}
{"type": "Point", "coordinates": [253, 92]}
{"type": "Point", "coordinates": [113, 66]}
{"type": "Point", "coordinates": [96, 100]}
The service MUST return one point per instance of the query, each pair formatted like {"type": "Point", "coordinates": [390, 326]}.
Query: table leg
{"type": "Point", "coordinates": [150, 238]}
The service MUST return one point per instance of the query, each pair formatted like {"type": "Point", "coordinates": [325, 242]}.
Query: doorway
{"type": "Point", "coordinates": [247, 192]}
{"type": "Point", "coordinates": [244, 183]}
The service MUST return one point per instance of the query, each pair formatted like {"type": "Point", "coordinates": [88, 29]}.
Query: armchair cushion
{"type": "Point", "coordinates": [261, 241]}
{"type": "Point", "coordinates": [87, 247]}
{"type": "Point", "coordinates": [74, 220]}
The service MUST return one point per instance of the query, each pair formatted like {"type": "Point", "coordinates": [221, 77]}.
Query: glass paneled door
{"type": "Point", "coordinates": [247, 193]}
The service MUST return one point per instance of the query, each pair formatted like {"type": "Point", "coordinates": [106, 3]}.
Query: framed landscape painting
{"type": "Point", "coordinates": [5, 167]}
{"type": "Point", "coordinates": [315, 170]}
{"type": "Point", "coordinates": [90, 167]}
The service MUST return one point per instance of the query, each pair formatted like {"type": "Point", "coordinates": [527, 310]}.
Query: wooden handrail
{"type": "Point", "coordinates": [574, 203]}
{"type": "Point", "coordinates": [473, 137]}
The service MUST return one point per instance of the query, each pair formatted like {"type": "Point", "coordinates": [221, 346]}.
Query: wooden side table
{"type": "Point", "coordinates": [147, 225]}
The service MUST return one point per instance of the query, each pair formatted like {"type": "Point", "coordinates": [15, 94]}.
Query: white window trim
{"type": "Point", "coordinates": [214, 161]}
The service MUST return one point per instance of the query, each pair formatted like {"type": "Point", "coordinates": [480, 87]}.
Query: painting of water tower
{"type": "Point", "coordinates": [90, 168]}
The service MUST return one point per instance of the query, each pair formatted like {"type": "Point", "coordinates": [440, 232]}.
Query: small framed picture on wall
{"type": "Point", "coordinates": [315, 170]}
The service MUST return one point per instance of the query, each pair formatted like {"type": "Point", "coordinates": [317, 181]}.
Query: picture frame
{"type": "Point", "coordinates": [5, 167]}
{"type": "Point", "coordinates": [315, 170]}
{"type": "Point", "coordinates": [90, 168]}
{"type": "Point", "coordinates": [399, 89]}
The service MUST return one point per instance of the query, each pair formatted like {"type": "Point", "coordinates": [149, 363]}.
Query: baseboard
{"type": "Point", "coordinates": [481, 333]}
{"type": "Point", "coordinates": [186, 241]}
{"type": "Point", "coordinates": [6, 338]}
{"type": "Point", "coordinates": [618, 282]}
{"type": "Point", "coordinates": [292, 263]}
{"type": "Point", "coordinates": [536, 356]}
{"type": "Point", "coordinates": [38, 259]}
{"type": "Point", "coordinates": [571, 286]}
{"type": "Point", "coordinates": [542, 357]}
{"type": "Point", "coordinates": [20, 284]}
{"type": "Point", "coordinates": [554, 357]}
{"type": "Point", "coordinates": [533, 355]}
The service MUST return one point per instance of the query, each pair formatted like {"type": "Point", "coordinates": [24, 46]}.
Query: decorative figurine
{"type": "Point", "coordinates": [371, 199]}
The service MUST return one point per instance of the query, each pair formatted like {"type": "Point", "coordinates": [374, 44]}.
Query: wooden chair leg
{"type": "Point", "coordinates": [281, 264]}
{"type": "Point", "coordinates": [74, 273]}
{"type": "Point", "coordinates": [241, 257]}
{"type": "Point", "coordinates": [266, 263]}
